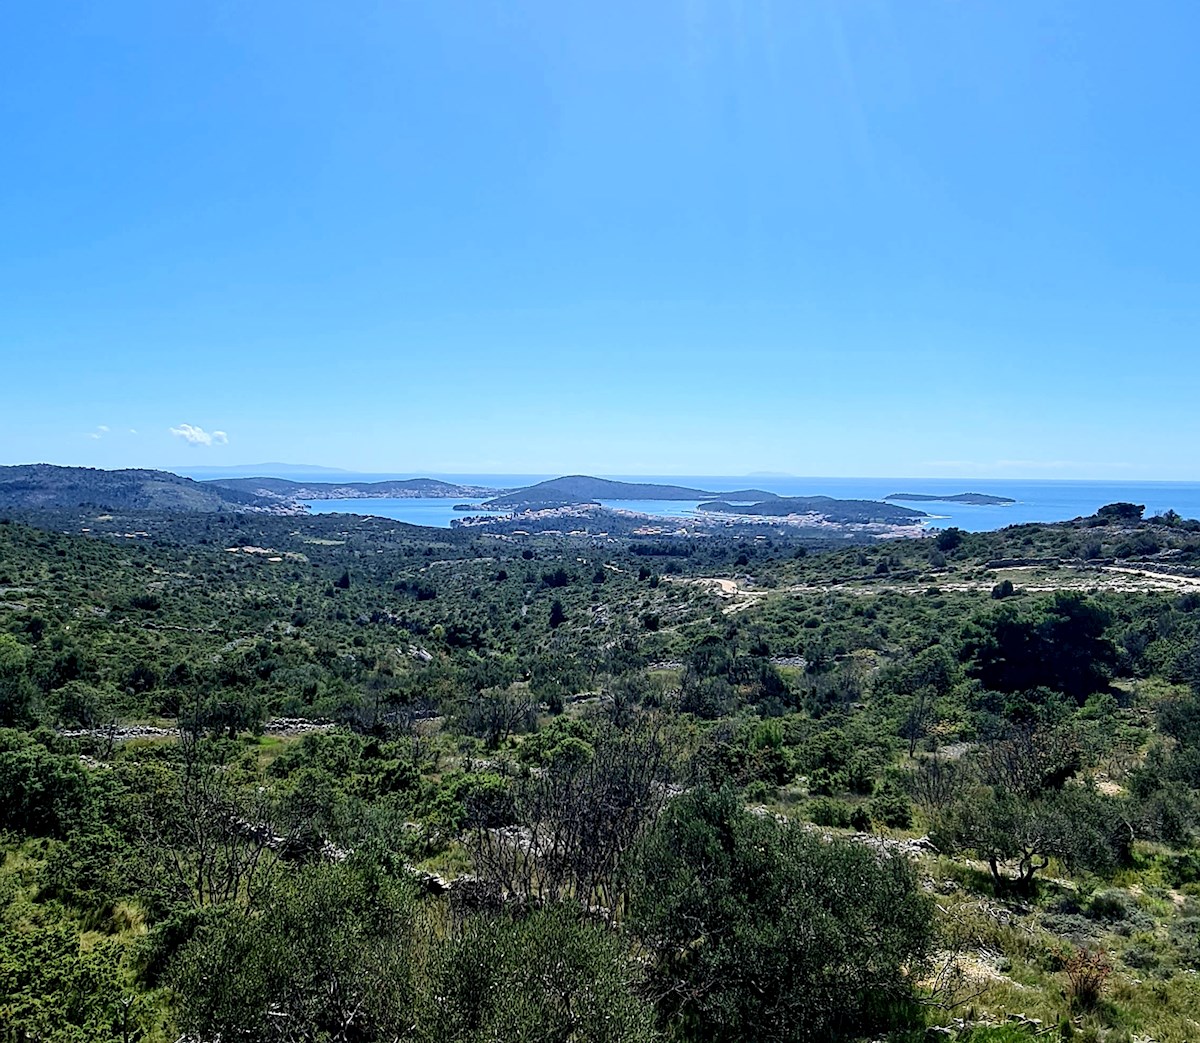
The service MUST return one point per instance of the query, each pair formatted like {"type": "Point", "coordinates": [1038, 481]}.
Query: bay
{"type": "Point", "coordinates": [1044, 500]}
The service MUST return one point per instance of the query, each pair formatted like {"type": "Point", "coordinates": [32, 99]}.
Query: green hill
{"type": "Point", "coordinates": [834, 510]}
{"type": "Point", "coordinates": [48, 487]}
{"type": "Point", "coordinates": [579, 488]}
{"type": "Point", "coordinates": [287, 489]}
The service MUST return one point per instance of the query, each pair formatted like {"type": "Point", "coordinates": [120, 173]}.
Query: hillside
{"type": "Point", "coordinates": [284, 488]}
{"type": "Point", "coordinates": [977, 747]}
{"type": "Point", "coordinates": [834, 510]}
{"type": "Point", "coordinates": [578, 488]}
{"type": "Point", "coordinates": [48, 487]}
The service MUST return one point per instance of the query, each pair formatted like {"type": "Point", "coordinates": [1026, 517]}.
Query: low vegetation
{"type": "Point", "coordinates": [337, 778]}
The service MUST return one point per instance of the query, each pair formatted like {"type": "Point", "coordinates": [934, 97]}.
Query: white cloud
{"type": "Point", "coordinates": [100, 431]}
{"type": "Point", "coordinates": [198, 436]}
{"type": "Point", "coordinates": [103, 429]}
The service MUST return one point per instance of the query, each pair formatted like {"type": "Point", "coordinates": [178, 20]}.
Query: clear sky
{"type": "Point", "coordinates": [861, 237]}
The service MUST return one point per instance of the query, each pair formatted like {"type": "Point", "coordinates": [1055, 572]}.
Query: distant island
{"type": "Point", "coordinates": [977, 499]}
{"type": "Point", "coordinates": [847, 512]}
{"type": "Point", "coordinates": [579, 489]}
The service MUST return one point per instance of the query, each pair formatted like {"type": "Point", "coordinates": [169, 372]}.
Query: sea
{"type": "Point", "coordinates": [1037, 500]}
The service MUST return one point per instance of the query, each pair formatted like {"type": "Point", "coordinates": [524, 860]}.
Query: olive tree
{"type": "Point", "coordinates": [760, 929]}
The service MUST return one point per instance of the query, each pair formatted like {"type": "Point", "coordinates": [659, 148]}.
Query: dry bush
{"type": "Point", "coordinates": [1087, 972]}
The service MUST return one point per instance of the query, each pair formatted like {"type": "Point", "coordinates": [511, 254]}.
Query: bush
{"type": "Point", "coordinates": [1087, 973]}
{"type": "Point", "coordinates": [43, 793]}
{"type": "Point", "coordinates": [757, 929]}
{"type": "Point", "coordinates": [891, 806]}
{"type": "Point", "coordinates": [826, 812]}
{"type": "Point", "coordinates": [330, 950]}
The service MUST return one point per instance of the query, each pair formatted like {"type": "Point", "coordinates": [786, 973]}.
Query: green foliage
{"type": "Point", "coordinates": [1059, 643]}
{"type": "Point", "coordinates": [329, 953]}
{"type": "Point", "coordinates": [890, 806]}
{"type": "Point", "coordinates": [1018, 834]}
{"type": "Point", "coordinates": [17, 693]}
{"type": "Point", "coordinates": [878, 674]}
{"type": "Point", "coordinates": [761, 930]}
{"type": "Point", "coordinates": [53, 988]}
{"type": "Point", "coordinates": [44, 793]}
{"type": "Point", "coordinates": [548, 976]}
{"type": "Point", "coordinates": [1122, 512]}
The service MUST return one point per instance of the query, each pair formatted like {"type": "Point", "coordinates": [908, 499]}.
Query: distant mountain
{"type": "Point", "coordinates": [842, 511]}
{"type": "Point", "coordinates": [578, 488]}
{"type": "Point", "coordinates": [979, 499]}
{"type": "Point", "coordinates": [286, 489]}
{"type": "Point", "coordinates": [48, 487]}
{"type": "Point", "coordinates": [207, 472]}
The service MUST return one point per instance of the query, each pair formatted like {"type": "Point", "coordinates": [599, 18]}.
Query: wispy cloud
{"type": "Point", "coordinates": [100, 431]}
{"type": "Point", "coordinates": [198, 436]}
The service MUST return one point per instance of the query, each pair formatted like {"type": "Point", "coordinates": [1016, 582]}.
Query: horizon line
{"type": "Point", "coordinates": [617, 476]}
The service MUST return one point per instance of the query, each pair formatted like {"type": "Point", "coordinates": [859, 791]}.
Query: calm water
{"type": "Point", "coordinates": [1036, 500]}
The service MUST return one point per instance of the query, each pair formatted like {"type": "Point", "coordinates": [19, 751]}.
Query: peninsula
{"type": "Point", "coordinates": [286, 489]}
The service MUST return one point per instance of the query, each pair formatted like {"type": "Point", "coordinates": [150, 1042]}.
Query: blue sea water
{"type": "Point", "coordinates": [1037, 500]}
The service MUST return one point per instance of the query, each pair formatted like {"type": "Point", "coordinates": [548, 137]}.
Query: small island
{"type": "Point", "coordinates": [976, 499]}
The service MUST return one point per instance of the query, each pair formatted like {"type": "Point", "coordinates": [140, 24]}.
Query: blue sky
{"type": "Point", "coordinates": [861, 237]}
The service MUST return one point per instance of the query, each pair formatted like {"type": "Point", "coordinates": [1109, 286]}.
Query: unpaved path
{"type": "Point", "coordinates": [738, 597]}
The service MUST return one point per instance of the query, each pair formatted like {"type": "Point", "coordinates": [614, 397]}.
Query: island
{"type": "Point", "coordinates": [975, 499]}
{"type": "Point", "coordinates": [577, 489]}
{"type": "Point", "coordinates": [844, 512]}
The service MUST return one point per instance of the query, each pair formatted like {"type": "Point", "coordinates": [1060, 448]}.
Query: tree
{"type": "Point", "coordinates": [1122, 512]}
{"type": "Point", "coordinates": [558, 615]}
{"type": "Point", "coordinates": [1017, 835]}
{"type": "Point", "coordinates": [1059, 643]}
{"type": "Point", "coordinates": [579, 816]}
{"type": "Point", "coordinates": [17, 692]}
{"type": "Point", "coordinates": [203, 839]}
{"type": "Point", "coordinates": [494, 714]}
{"type": "Point", "coordinates": [919, 714]}
{"type": "Point", "coordinates": [950, 539]}
{"type": "Point", "coordinates": [43, 793]}
{"type": "Point", "coordinates": [918, 684]}
{"type": "Point", "coordinates": [759, 930]}
{"type": "Point", "coordinates": [326, 958]}
{"type": "Point", "coordinates": [1028, 758]}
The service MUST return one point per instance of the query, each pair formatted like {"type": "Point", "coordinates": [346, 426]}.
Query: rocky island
{"type": "Point", "coordinates": [975, 499]}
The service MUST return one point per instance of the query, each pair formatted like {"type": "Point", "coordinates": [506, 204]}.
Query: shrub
{"type": "Point", "coordinates": [826, 812]}
{"type": "Point", "coordinates": [1087, 972]}
{"type": "Point", "coordinates": [757, 929]}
